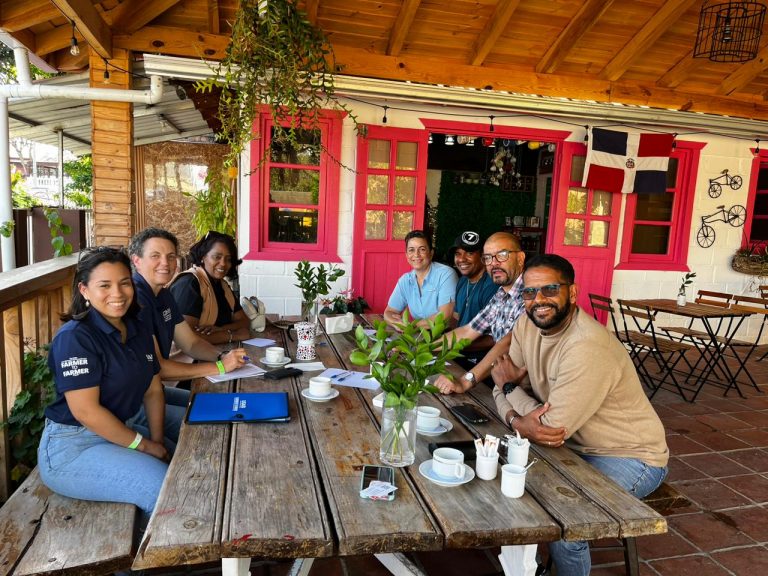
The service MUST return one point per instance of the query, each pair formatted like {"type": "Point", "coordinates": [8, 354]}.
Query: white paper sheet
{"type": "Point", "coordinates": [307, 366]}
{"type": "Point", "coordinates": [246, 371]}
{"type": "Point", "coordinates": [351, 378]}
{"type": "Point", "coordinates": [259, 342]}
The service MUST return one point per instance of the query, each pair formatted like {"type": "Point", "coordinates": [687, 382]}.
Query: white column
{"type": "Point", "coordinates": [6, 203]}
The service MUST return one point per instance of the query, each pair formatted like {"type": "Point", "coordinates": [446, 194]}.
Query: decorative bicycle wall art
{"type": "Point", "coordinates": [735, 216]}
{"type": "Point", "coordinates": [716, 184]}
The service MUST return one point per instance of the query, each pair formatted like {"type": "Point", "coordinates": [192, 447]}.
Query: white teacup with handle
{"type": "Point", "coordinates": [448, 463]}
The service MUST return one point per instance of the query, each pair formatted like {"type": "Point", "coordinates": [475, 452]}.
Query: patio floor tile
{"type": "Point", "coordinates": [715, 465]}
{"type": "Point", "coordinates": [717, 441]}
{"type": "Point", "coordinates": [709, 531]}
{"type": "Point", "coordinates": [689, 566]}
{"type": "Point", "coordinates": [752, 560]}
{"type": "Point", "coordinates": [711, 494]}
{"type": "Point", "coordinates": [755, 419]}
{"type": "Point", "coordinates": [753, 486]}
{"type": "Point", "coordinates": [756, 438]}
{"type": "Point", "coordinates": [753, 459]}
{"type": "Point", "coordinates": [685, 424]}
{"type": "Point", "coordinates": [752, 521]}
{"type": "Point", "coordinates": [680, 445]}
{"type": "Point", "coordinates": [723, 421]}
{"type": "Point", "coordinates": [663, 546]}
{"type": "Point", "coordinates": [680, 470]}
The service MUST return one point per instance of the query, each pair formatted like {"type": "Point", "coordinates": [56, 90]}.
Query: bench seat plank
{"type": "Point", "coordinates": [185, 527]}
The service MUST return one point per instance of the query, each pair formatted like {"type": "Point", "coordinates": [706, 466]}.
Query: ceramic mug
{"type": "Point", "coordinates": [487, 466]}
{"type": "Point", "coordinates": [517, 451]}
{"type": "Point", "coordinates": [274, 354]}
{"type": "Point", "coordinates": [512, 480]}
{"type": "Point", "coordinates": [319, 386]}
{"type": "Point", "coordinates": [427, 418]}
{"type": "Point", "coordinates": [448, 463]}
{"type": "Point", "coordinates": [305, 332]}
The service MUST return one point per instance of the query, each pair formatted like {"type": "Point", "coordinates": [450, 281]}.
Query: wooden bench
{"type": "Point", "coordinates": [45, 533]}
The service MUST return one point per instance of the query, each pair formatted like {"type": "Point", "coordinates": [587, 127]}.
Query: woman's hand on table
{"type": "Point", "coordinates": [234, 359]}
{"type": "Point", "coordinates": [207, 330]}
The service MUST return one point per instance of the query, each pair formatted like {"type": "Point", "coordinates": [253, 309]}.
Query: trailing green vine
{"type": "Point", "coordinates": [58, 230]}
{"type": "Point", "coordinates": [6, 228]}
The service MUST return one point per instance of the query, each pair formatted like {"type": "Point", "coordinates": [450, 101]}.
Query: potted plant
{"type": "Point", "coordinates": [686, 281]}
{"type": "Point", "coordinates": [402, 363]}
{"type": "Point", "coordinates": [344, 302]}
{"type": "Point", "coordinates": [314, 282]}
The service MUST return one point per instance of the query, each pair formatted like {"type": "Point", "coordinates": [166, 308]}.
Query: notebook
{"type": "Point", "coordinates": [234, 407]}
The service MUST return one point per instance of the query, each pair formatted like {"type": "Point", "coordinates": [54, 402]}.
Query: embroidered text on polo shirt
{"type": "Point", "coordinates": [78, 366]}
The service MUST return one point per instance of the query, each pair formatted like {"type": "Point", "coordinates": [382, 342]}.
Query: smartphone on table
{"type": "Point", "coordinates": [380, 474]}
{"type": "Point", "coordinates": [469, 413]}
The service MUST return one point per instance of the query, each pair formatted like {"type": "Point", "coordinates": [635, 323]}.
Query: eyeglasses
{"type": "Point", "coordinates": [501, 256]}
{"type": "Point", "coordinates": [548, 291]}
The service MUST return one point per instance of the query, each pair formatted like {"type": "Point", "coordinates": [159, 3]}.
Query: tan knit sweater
{"type": "Point", "coordinates": [586, 375]}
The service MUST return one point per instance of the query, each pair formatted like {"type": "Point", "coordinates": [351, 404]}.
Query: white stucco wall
{"type": "Point", "coordinates": [273, 281]}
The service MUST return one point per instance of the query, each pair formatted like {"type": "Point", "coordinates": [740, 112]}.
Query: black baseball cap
{"type": "Point", "coordinates": [469, 241]}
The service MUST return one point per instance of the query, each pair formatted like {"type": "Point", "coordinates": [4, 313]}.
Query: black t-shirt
{"type": "Point", "coordinates": [186, 292]}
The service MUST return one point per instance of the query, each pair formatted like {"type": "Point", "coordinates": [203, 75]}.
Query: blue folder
{"type": "Point", "coordinates": [234, 407]}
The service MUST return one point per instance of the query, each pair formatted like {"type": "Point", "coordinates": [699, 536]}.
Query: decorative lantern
{"type": "Point", "coordinates": [729, 31]}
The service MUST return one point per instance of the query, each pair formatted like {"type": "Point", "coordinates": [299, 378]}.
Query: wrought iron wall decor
{"type": "Point", "coordinates": [716, 184]}
{"type": "Point", "coordinates": [735, 216]}
{"type": "Point", "coordinates": [729, 31]}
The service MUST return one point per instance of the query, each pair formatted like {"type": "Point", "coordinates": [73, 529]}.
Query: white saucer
{"type": "Point", "coordinates": [308, 396]}
{"type": "Point", "coordinates": [445, 426]}
{"type": "Point", "coordinates": [282, 362]}
{"type": "Point", "coordinates": [425, 469]}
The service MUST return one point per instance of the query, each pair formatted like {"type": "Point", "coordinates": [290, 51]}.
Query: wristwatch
{"type": "Point", "coordinates": [508, 387]}
{"type": "Point", "coordinates": [469, 377]}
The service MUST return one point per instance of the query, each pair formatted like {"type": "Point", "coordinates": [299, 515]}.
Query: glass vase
{"type": "Point", "coordinates": [398, 436]}
{"type": "Point", "coordinates": [309, 311]}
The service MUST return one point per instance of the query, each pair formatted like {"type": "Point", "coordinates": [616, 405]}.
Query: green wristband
{"type": "Point", "coordinates": [136, 441]}
{"type": "Point", "coordinates": [220, 366]}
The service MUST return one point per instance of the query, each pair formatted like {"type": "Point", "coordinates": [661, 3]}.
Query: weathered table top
{"type": "Point", "coordinates": [290, 490]}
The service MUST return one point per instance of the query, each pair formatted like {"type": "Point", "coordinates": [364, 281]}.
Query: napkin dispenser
{"type": "Point", "coordinates": [339, 324]}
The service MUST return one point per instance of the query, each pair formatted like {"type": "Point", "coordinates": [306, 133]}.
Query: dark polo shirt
{"type": "Point", "coordinates": [160, 312]}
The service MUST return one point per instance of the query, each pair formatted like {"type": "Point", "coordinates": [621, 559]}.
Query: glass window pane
{"type": "Point", "coordinates": [759, 229]}
{"type": "Point", "coordinates": [598, 234]}
{"type": "Point", "coordinates": [577, 201]}
{"type": "Point", "coordinates": [761, 205]}
{"type": "Point", "coordinates": [657, 207]}
{"type": "Point", "coordinates": [672, 173]}
{"type": "Point", "coordinates": [577, 168]}
{"type": "Point", "coordinates": [402, 223]}
{"type": "Point", "coordinates": [406, 155]}
{"type": "Point", "coordinates": [375, 224]}
{"type": "Point", "coordinates": [405, 190]}
{"type": "Point", "coordinates": [650, 239]}
{"type": "Point", "coordinates": [601, 203]}
{"type": "Point", "coordinates": [293, 225]}
{"type": "Point", "coordinates": [574, 232]}
{"type": "Point", "coordinates": [378, 153]}
{"type": "Point", "coordinates": [305, 151]}
{"type": "Point", "coordinates": [294, 186]}
{"type": "Point", "coordinates": [378, 189]}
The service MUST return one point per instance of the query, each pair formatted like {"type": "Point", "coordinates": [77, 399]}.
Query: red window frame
{"type": "Point", "coordinates": [759, 161]}
{"type": "Point", "coordinates": [325, 249]}
{"type": "Point", "coordinates": [687, 155]}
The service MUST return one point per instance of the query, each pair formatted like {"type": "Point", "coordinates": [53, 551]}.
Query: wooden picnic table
{"type": "Point", "coordinates": [290, 490]}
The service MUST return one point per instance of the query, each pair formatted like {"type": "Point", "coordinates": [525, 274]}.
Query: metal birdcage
{"type": "Point", "coordinates": [729, 31]}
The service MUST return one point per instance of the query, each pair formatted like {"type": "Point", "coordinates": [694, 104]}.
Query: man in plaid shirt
{"type": "Point", "coordinates": [503, 259]}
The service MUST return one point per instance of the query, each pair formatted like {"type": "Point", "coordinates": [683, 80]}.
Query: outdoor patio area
{"type": "Point", "coordinates": [719, 461]}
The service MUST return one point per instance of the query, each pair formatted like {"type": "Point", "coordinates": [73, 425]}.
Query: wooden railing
{"type": "Point", "coordinates": [31, 299]}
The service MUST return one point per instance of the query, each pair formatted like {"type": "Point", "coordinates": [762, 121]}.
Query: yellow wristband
{"type": "Point", "coordinates": [220, 366]}
{"type": "Point", "coordinates": [136, 441]}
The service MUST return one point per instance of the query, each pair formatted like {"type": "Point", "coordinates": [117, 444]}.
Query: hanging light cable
{"type": "Point", "coordinates": [74, 49]}
{"type": "Point", "coordinates": [106, 71]}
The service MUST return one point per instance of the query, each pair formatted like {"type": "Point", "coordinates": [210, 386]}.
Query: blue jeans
{"type": "Point", "coordinates": [78, 463]}
{"type": "Point", "coordinates": [636, 477]}
{"type": "Point", "coordinates": [176, 401]}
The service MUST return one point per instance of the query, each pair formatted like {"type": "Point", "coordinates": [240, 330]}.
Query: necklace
{"type": "Point", "coordinates": [469, 294]}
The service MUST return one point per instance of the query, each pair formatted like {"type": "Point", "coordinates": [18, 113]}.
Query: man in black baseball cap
{"type": "Point", "coordinates": [475, 287]}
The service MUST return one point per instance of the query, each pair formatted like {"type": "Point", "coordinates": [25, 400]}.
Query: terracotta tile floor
{"type": "Point", "coordinates": [719, 460]}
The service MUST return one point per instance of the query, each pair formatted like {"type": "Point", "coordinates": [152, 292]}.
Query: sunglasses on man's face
{"type": "Point", "coordinates": [548, 291]}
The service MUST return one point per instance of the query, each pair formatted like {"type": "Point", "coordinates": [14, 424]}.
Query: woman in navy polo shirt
{"type": "Point", "coordinates": [105, 369]}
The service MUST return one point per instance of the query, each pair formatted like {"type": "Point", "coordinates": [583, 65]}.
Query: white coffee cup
{"type": "Point", "coordinates": [275, 354]}
{"type": "Point", "coordinates": [427, 418]}
{"type": "Point", "coordinates": [513, 480]}
{"type": "Point", "coordinates": [517, 450]}
{"type": "Point", "coordinates": [448, 463]}
{"type": "Point", "coordinates": [487, 466]}
{"type": "Point", "coordinates": [319, 386]}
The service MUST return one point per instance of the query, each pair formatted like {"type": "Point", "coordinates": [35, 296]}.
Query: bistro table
{"type": "Point", "coordinates": [720, 326]}
{"type": "Point", "coordinates": [290, 490]}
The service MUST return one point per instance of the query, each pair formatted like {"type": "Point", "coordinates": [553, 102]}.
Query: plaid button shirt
{"type": "Point", "coordinates": [502, 311]}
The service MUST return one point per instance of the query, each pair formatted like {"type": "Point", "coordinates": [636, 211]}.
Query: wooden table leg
{"type": "Point", "coordinates": [518, 560]}
{"type": "Point", "coordinates": [235, 566]}
{"type": "Point", "coordinates": [399, 565]}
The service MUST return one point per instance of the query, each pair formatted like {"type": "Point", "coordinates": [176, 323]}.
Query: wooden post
{"type": "Point", "coordinates": [112, 147]}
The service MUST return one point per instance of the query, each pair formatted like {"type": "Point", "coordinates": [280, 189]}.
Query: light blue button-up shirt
{"type": "Point", "coordinates": [439, 288]}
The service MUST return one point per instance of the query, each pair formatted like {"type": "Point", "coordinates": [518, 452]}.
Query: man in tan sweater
{"type": "Point", "coordinates": [568, 380]}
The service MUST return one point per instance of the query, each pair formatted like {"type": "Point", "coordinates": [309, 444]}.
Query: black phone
{"type": "Point", "coordinates": [469, 413]}
{"type": "Point", "coordinates": [282, 373]}
{"type": "Point", "coordinates": [466, 447]}
{"type": "Point", "coordinates": [380, 473]}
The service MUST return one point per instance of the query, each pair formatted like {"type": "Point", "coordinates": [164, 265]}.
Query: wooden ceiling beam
{"type": "Point", "coordinates": [65, 62]}
{"type": "Point", "coordinates": [666, 16]}
{"type": "Point", "coordinates": [402, 25]}
{"type": "Point", "coordinates": [439, 71]}
{"type": "Point", "coordinates": [214, 26]}
{"type": "Point", "coordinates": [139, 13]}
{"type": "Point", "coordinates": [582, 22]}
{"type": "Point", "coordinates": [744, 74]}
{"type": "Point", "coordinates": [26, 38]}
{"type": "Point", "coordinates": [90, 24]}
{"type": "Point", "coordinates": [174, 42]}
{"type": "Point", "coordinates": [20, 15]}
{"type": "Point", "coordinates": [56, 39]}
{"type": "Point", "coordinates": [312, 7]}
{"type": "Point", "coordinates": [493, 30]}
{"type": "Point", "coordinates": [673, 77]}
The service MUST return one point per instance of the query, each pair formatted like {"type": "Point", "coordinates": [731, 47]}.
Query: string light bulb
{"type": "Point", "coordinates": [757, 148]}
{"type": "Point", "coordinates": [674, 141]}
{"type": "Point", "coordinates": [384, 120]}
{"type": "Point", "coordinates": [74, 49]}
{"type": "Point", "coordinates": [449, 141]}
{"type": "Point", "coordinates": [106, 71]}
{"type": "Point", "coordinates": [491, 127]}
{"type": "Point", "coordinates": [586, 134]}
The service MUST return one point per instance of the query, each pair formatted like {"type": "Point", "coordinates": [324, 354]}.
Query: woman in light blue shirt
{"type": "Point", "coordinates": [426, 290]}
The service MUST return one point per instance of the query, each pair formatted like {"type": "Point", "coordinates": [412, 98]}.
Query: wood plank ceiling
{"type": "Point", "coordinates": [637, 52]}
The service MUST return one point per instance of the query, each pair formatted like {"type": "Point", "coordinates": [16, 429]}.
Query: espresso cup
{"type": "Point", "coordinates": [487, 466]}
{"type": "Point", "coordinates": [448, 463]}
{"type": "Point", "coordinates": [427, 417]}
{"type": "Point", "coordinates": [512, 480]}
{"type": "Point", "coordinates": [517, 450]}
{"type": "Point", "coordinates": [319, 386]}
{"type": "Point", "coordinates": [274, 354]}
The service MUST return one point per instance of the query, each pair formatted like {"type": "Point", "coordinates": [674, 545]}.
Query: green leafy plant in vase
{"type": "Point", "coordinates": [313, 283]}
{"type": "Point", "coordinates": [687, 280]}
{"type": "Point", "coordinates": [402, 363]}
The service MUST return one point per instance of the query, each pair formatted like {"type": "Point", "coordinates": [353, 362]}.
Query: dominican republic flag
{"type": "Point", "coordinates": [623, 162]}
